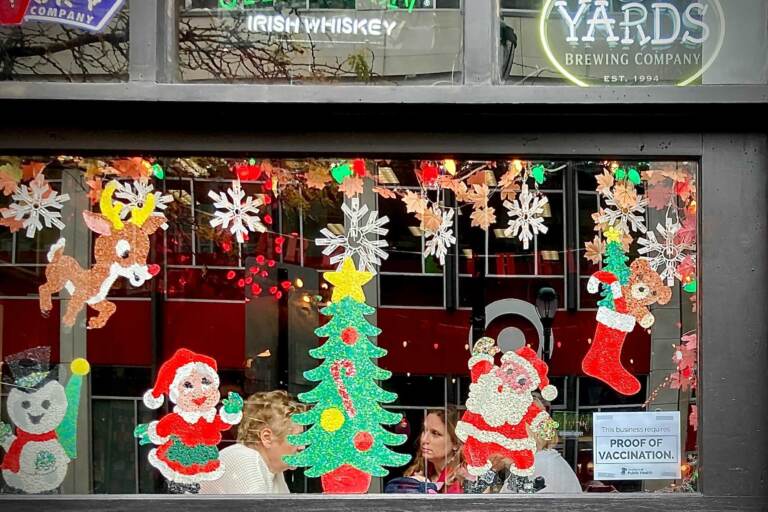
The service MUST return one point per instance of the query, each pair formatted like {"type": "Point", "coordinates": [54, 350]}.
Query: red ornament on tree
{"type": "Point", "coordinates": [363, 441]}
{"type": "Point", "coordinates": [349, 336]}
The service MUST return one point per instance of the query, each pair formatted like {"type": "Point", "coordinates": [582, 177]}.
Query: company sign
{"type": "Point", "coordinates": [597, 42]}
{"type": "Point", "coordinates": [91, 15]}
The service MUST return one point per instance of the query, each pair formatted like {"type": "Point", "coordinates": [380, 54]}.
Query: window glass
{"type": "Point", "coordinates": [189, 281]}
{"type": "Point", "coordinates": [418, 42]}
{"type": "Point", "coordinates": [69, 41]}
{"type": "Point", "coordinates": [617, 43]}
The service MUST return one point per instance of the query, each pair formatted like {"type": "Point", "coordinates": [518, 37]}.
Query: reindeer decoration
{"type": "Point", "coordinates": [121, 250]}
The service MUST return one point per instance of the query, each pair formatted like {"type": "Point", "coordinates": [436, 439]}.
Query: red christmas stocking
{"type": "Point", "coordinates": [603, 360]}
{"type": "Point", "coordinates": [12, 11]}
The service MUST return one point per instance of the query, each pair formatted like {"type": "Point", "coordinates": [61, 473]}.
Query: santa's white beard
{"type": "Point", "coordinates": [495, 407]}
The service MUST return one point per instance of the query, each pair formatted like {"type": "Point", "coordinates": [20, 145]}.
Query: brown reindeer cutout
{"type": "Point", "coordinates": [121, 250]}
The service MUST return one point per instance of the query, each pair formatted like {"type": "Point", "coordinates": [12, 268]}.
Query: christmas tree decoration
{"type": "Point", "coordinates": [346, 443]}
{"type": "Point", "coordinates": [44, 413]}
{"type": "Point", "coordinates": [187, 438]}
{"type": "Point", "coordinates": [348, 282]}
{"type": "Point", "coordinates": [120, 250]}
{"type": "Point", "coordinates": [134, 195]}
{"type": "Point", "coordinates": [439, 241]}
{"type": "Point", "coordinates": [665, 254]}
{"type": "Point", "coordinates": [625, 209]}
{"type": "Point", "coordinates": [240, 217]}
{"type": "Point", "coordinates": [36, 204]}
{"type": "Point", "coordinates": [526, 216]}
{"type": "Point", "coordinates": [630, 306]}
{"type": "Point", "coordinates": [361, 240]}
{"type": "Point", "coordinates": [501, 411]}
{"type": "Point", "coordinates": [615, 262]}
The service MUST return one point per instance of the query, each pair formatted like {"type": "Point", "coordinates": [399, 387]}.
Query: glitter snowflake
{"type": "Point", "coordinates": [439, 241]}
{"type": "Point", "coordinates": [624, 217]}
{"type": "Point", "coordinates": [666, 254]}
{"type": "Point", "coordinates": [361, 240]}
{"type": "Point", "coordinates": [35, 205]}
{"type": "Point", "coordinates": [234, 214]}
{"type": "Point", "coordinates": [134, 193]}
{"type": "Point", "coordinates": [526, 216]}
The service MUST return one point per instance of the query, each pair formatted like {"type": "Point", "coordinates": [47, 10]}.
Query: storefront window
{"type": "Point", "coordinates": [71, 41]}
{"type": "Point", "coordinates": [188, 283]}
{"type": "Point", "coordinates": [617, 43]}
{"type": "Point", "coordinates": [318, 41]}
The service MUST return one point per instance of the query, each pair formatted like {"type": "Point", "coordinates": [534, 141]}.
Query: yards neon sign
{"type": "Point", "coordinates": [641, 42]}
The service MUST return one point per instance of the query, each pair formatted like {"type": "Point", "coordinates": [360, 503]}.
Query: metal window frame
{"type": "Point", "coordinates": [732, 331]}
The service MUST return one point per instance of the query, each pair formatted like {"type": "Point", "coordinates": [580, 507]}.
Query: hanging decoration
{"type": "Point", "coordinates": [501, 411]}
{"type": "Point", "coordinates": [526, 216]}
{"type": "Point", "coordinates": [35, 205]}
{"type": "Point", "coordinates": [134, 195]}
{"type": "Point", "coordinates": [186, 439]}
{"type": "Point", "coordinates": [42, 439]}
{"type": "Point", "coordinates": [438, 241]}
{"type": "Point", "coordinates": [666, 254]}
{"type": "Point", "coordinates": [120, 250]}
{"type": "Point", "coordinates": [629, 306]}
{"type": "Point", "coordinates": [240, 217]}
{"type": "Point", "coordinates": [361, 240]}
{"type": "Point", "coordinates": [346, 443]}
{"type": "Point", "coordinates": [625, 208]}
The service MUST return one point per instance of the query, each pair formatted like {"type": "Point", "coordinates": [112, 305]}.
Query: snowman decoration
{"type": "Point", "coordinates": [44, 413]}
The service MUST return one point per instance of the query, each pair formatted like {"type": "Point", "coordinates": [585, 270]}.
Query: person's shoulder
{"type": "Point", "coordinates": [239, 451]}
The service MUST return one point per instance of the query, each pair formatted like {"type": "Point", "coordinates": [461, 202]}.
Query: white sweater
{"type": "Point", "coordinates": [559, 478]}
{"type": "Point", "coordinates": [245, 472]}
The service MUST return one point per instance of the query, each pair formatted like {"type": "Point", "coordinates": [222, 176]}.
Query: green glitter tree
{"type": "Point", "coordinates": [347, 443]}
{"type": "Point", "coordinates": [615, 263]}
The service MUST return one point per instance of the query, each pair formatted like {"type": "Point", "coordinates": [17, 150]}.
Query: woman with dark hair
{"type": "Point", "coordinates": [437, 465]}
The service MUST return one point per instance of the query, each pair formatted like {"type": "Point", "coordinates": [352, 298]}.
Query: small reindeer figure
{"type": "Point", "coordinates": [121, 250]}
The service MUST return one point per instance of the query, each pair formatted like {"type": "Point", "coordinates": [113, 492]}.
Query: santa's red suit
{"type": "Point", "coordinates": [497, 419]}
{"type": "Point", "coordinates": [187, 445]}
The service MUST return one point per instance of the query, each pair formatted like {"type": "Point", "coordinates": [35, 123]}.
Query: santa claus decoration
{"type": "Point", "coordinates": [501, 410]}
{"type": "Point", "coordinates": [187, 438]}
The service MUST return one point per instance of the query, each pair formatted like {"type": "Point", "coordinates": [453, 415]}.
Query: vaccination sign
{"type": "Point", "coordinates": [636, 445]}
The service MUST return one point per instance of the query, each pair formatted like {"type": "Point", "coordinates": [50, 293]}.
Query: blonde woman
{"type": "Point", "coordinates": [255, 464]}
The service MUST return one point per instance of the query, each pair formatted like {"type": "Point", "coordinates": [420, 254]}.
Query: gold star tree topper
{"type": "Point", "coordinates": [348, 281]}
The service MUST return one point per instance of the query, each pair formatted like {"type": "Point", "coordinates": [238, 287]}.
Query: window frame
{"type": "Point", "coordinates": [725, 424]}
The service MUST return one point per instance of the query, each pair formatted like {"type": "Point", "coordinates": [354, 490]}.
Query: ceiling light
{"type": "Point", "coordinates": [388, 176]}
{"type": "Point", "coordinates": [415, 231]}
{"type": "Point", "coordinates": [336, 229]}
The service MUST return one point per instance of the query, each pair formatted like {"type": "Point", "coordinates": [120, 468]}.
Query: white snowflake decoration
{"type": "Point", "coordinates": [134, 193]}
{"type": "Point", "coordinates": [526, 216]}
{"type": "Point", "coordinates": [622, 218]}
{"type": "Point", "coordinates": [35, 203]}
{"type": "Point", "coordinates": [439, 241]}
{"type": "Point", "coordinates": [361, 240]}
{"type": "Point", "coordinates": [666, 254]}
{"type": "Point", "coordinates": [234, 214]}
